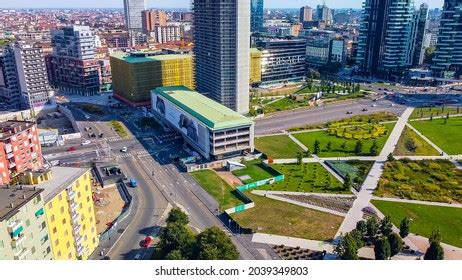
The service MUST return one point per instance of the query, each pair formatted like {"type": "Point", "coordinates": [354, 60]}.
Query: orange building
{"type": "Point", "coordinates": [153, 18]}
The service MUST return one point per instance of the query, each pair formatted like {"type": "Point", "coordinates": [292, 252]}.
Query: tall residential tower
{"type": "Point", "coordinates": [133, 9]}
{"type": "Point", "coordinates": [256, 18]}
{"type": "Point", "coordinates": [222, 51]}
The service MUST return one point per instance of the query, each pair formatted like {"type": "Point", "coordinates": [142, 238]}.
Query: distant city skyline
{"type": "Point", "coordinates": [185, 3]}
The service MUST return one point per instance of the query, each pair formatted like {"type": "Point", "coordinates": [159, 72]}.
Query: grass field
{"type": "Point", "coordinates": [284, 104]}
{"type": "Point", "coordinates": [426, 218]}
{"type": "Point", "coordinates": [311, 177]}
{"type": "Point", "coordinates": [426, 112]}
{"type": "Point", "coordinates": [427, 180]}
{"type": "Point", "coordinates": [256, 170]}
{"type": "Point", "coordinates": [309, 138]}
{"type": "Point", "coordinates": [444, 135]}
{"type": "Point", "coordinates": [411, 144]}
{"type": "Point", "coordinates": [216, 187]}
{"type": "Point", "coordinates": [280, 218]}
{"type": "Point", "coordinates": [358, 170]}
{"type": "Point", "coordinates": [279, 146]}
{"type": "Point", "coordinates": [119, 128]}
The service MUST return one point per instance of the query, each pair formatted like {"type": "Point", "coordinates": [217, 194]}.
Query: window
{"type": "Point", "coordinates": [33, 250]}
{"type": "Point", "coordinates": [84, 227]}
{"type": "Point", "coordinates": [69, 256]}
{"type": "Point", "coordinates": [91, 219]}
{"type": "Point", "coordinates": [66, 233]}
{"type": "Point", "coordinates": [64, 221]}
{"type": "Point", "coordinates": [68, 244]}
{"type": "Point", "coordinates": [88, 199]}
{"type": "Point", "coordinates": [60, 197]}
{"type": "Point", "coordinates": [52, 218]}
{"type": "Point", "coordinates": [94, 240]}
{"type": "Point", "coordinates": [31, 235]}
{"type": "Point", "coordinates": [48, 249]}
{"type": "Point", "coordinates": [85, 238]}
{"type": "Point", "coordinates": [55, 230]}
{"type": "Point", "coordinates": [89, 209]}
{"type": "Point", "coordinates": [92, 230]}
{"type": "Point", "coordinates": [50, 205]}
{"type": "Point", "coordinates": [79, 194]}
{"type": "Point", "coordinates": [27, 223]}
{"type": "Point", "coordinates": [2, 245]}
{"type": "Point", "coordinates": [57, 242]}
{"type": "Point", "coordinates": [59, 254]}
{"type": "Point", "coordinates": [62, 209]}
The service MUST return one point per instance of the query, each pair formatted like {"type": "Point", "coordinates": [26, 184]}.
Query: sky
{"type": "Point", "coordinates": [184, 3]}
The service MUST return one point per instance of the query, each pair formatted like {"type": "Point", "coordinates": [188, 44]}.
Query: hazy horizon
{"type": "Point", "coordinates": [184, 3]}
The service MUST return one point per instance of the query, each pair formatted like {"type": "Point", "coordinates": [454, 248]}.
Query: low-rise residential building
{"type": "Point", "coordinates": [20, 150]}
{"type": "Point", "coordinates": [136, 74]}
{"type": "Point", "coordinates": [23, 226]}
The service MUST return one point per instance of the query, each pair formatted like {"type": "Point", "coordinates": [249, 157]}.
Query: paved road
{"type": "Point", "coordinates": [286, 120]}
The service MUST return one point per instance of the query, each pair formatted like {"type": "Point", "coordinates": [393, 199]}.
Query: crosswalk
{"type": "Point", "coordinates": [132, 154]}
{"type": "Point", "coordinates": [114, 139]}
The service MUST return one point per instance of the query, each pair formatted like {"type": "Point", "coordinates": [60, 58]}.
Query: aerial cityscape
{"type": "Point", "coordinates": [231, 130]}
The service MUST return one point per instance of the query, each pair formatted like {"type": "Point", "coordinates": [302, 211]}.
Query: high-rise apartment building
{"type": "Point", "coordinates": [23, 226]}
{"type": "Point", "coordinates": [325, 14]}
{"type": "Point", "coordinates": [447, 62]}
{"type": "Point", "coordinates": [168, 34]}
{"type": "Point", "coordinates": [222, 52]}
{"type": "Point", "coordinates": [72, 67]}
{"type": "Point", "coordinates": [152, 19]}
{"type": "Point", "coordinates": [306, 14]}
{"type": "Point", "coordinates": [256, 16]}
{"type": "Point", "coordinates": [20, 150]}
{"type": "Point", "coordinates": [133, 18]}
{"type": "Point", "coordinates": [23, 80]}
{"type": "Point", "coordinates": [419, 31]}
{"type": "Point", "coordinates": [385, 37]}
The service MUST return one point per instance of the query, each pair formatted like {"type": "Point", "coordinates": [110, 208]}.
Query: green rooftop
{"type": "Point", "coordinates": [209, 112]}
{"type": "Point", "coordinates": [141, 57]}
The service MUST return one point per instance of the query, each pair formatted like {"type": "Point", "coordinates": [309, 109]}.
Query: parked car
{"type": "Point", "coordinates": [86, 142]}
{"type": "Point", "coordinates": [71, 149]}
{"type": "Point", "coordinates": [365, 110]}
{"type": "Point", "coordinates": [124, 149]}
{"type": "Point", "coordinates": [349, 112]}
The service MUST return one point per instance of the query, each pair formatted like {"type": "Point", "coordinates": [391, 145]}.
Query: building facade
{"type": "Point", "coordinates": [325, 14]}
{"type": "Point", "coordinates": [447, 62]}
{"type": "Point", "coordinates": [70, 213]}
{"type": "Point", "coordinates": [133, 10]}
{"type": "Point", "coordinates": [118, 39]}
{"type": "Point", "coordinates": [213, 130]}
{"type": "Point", "coordinates": [23, 226]}
{"type": "Point", "coordinates": [306, 14]}
{"type": "Point", "coordinates": [135, 75]}
{"type": "Point", "coordinates": [256, 14]}
{"type": "Point", "coordinates": [255, 66]}
{"type": "Point", "coordinates": [385, 38]}
{"type": "Point", "coordinates": [20, 150]}
{"type": "Point", "coordinates": [23, 80]}
{"type": "Point", "coordinates": [168, 34]}
{"type": "Point", "coordinates": [283, 60]}
{"type": "Point", "coordinates": [72, 67]}
{"type": "Point", "coordinates": [419, 34]}
{"type": "Point", "coordinates": [152, 19]}
{"type": "Point", "coordinates": [221, 48]}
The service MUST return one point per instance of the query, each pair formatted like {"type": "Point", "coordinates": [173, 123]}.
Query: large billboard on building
{"type": "Point", "coordinates": [191, 128]}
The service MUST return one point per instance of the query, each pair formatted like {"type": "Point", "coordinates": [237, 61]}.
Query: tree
{"type": "Point", "coordinates": [429, 55]}
{"type": "Point", "coordinates": [347, 248]}
{"type": "Point", "coordinates": [361, 227]}
{"type": "Point", "coordinates": [344, 145]}
{"type": "Point", "coordinates": [382, 249]}
{"type": "Point", "coordinates": [374, 151]}
{"type": "Point", "coordinates": [347, 181]}
{"type": "Point", "coordinates": [176, 236]}
{"type": "Point", "coordinates": [300, 158]}
{"type": "Point", "coordinates": [386, 227]}
{"type": "Point", "coordinates": [329, 145]}
{"type": "Point", "coordinates": [177, 216]}
{"type": "Point", "coordinates": [372, 226]}
{"type": "Point", "coordinates": [390, 157]}
{"type": "Point", "coordinates": [214, 244]}
{"type": "Point", "coordinates": [404, 227]}
{"type": "Point", "coordinates": [307, 153]}
{"type": "Point", "coordinates": [396, 243]}
{"type": "Point", "coordinates": [175, 255]}
{"type": "Point", "coordinates": [434, 251]}
{"type": "Point", "coordinates": [358, 148]}
{"type": "Point", "coordinates": [317, 147]}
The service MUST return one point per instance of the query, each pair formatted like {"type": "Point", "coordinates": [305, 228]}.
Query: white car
{"type": "Point", "coordinates": [124, 150]}
{"type": "Point", "coordinates": [86, 142]}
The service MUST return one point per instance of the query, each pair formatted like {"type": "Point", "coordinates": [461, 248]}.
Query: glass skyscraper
{"type": "Point", "coordinates": [447, 62]}
{"type": "Point", "coordinates": [133, 9]}
{"type": "Point", "coordinates": [256, 15]}
{"type": "Point", "coordinates": [221, 32]}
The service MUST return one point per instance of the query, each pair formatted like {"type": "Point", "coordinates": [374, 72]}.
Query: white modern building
{"type": "Point", "coordinates": [222, 54]}
{"type": "Point", "coordinates": [133, 19]}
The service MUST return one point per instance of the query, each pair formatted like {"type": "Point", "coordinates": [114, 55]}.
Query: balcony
{"type": "Point", "coordinates": [70, 195]}
{"type": "Point", "coordinates": [78, 240]}
{"type": "Point", "coordinates": [74, 207]}
{"type": "Point", "coordinates": [8, 148]}
{"type": "Point", "coordinates": [15, 228]}
{"type": "Point", "coordinates": [21, 255]}
{"type": "Point", "coordinates": [76, 229]}
{"type": "Point", "coordinates": [17, 240]}
{"type": "Point", "coordinates": [10, 155]}
{"type": "Point", "coordinates": [75, 219]}
{"type": "Point", "coordinates": [79, 250]}
{"type": "Point", "coordinates": [12, 165]}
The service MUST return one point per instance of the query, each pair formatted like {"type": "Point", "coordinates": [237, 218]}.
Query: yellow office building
{"type": "Point", "coordinates": [134, 75]}
{"type": "Point", "coordinates": [70, 213]}
{"type": "Point", "coordinates": [255, 66]}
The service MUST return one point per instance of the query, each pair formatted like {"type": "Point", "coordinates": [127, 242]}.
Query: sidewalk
{"type": "Point", "coordinates": [272, 239]}
{"type": "Point", "coordinates": [456, 205]}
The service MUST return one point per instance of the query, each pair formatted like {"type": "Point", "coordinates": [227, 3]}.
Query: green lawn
{"type": "Point", "coordinates": [309, 138]}
{"type": "Point", "coordinates": [284, 104]}
{"type": "Point", "coordinates": [279, 146]}
{"type": "Point", "coordinates": [426, 218]}
{"type": "Point", "coordinates": [280, 218]}
{"type": "Point", "coordinates": [447, 136]}
{"type": "Point", "coordinates": [428, 180]}
{"type": "Point", "coordinates": [411, 144]}
{"type": "Point", "coordinates": [119, 128]}
{"type": "Point", "coordinates": [257, 171]}
{"type": "Point", "coordinates": [426, 112]}
{"type": "Point", "coordinates": [311, 177]}
{"type": "Point", "coordinates": [218, 188]}
{"type": "Point", "coordinates": [358, 170]}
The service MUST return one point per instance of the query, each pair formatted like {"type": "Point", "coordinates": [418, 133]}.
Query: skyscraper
{"type": "Point", "coordinates": [222, 51]}
{"type": "Point", "coordinates": [133, 9]}
{"type": "Point", "coordinates": [324, 13]}
{"type": "Point", "coordinates": [419, 31]}
{"type": "Point", "coordinates": [306, 14]}
{"type": "Point", "coordinates": [447, 62]}
{"type": "Point", "coordinates": [256, 15]}
{"type": "Point", "coordinates": [385, 37]}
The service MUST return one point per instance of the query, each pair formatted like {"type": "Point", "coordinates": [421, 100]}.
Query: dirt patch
{"type": "Point", "coordinates": [108, 206]}
{"type": "Point", "coordinates": [229, 177]}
